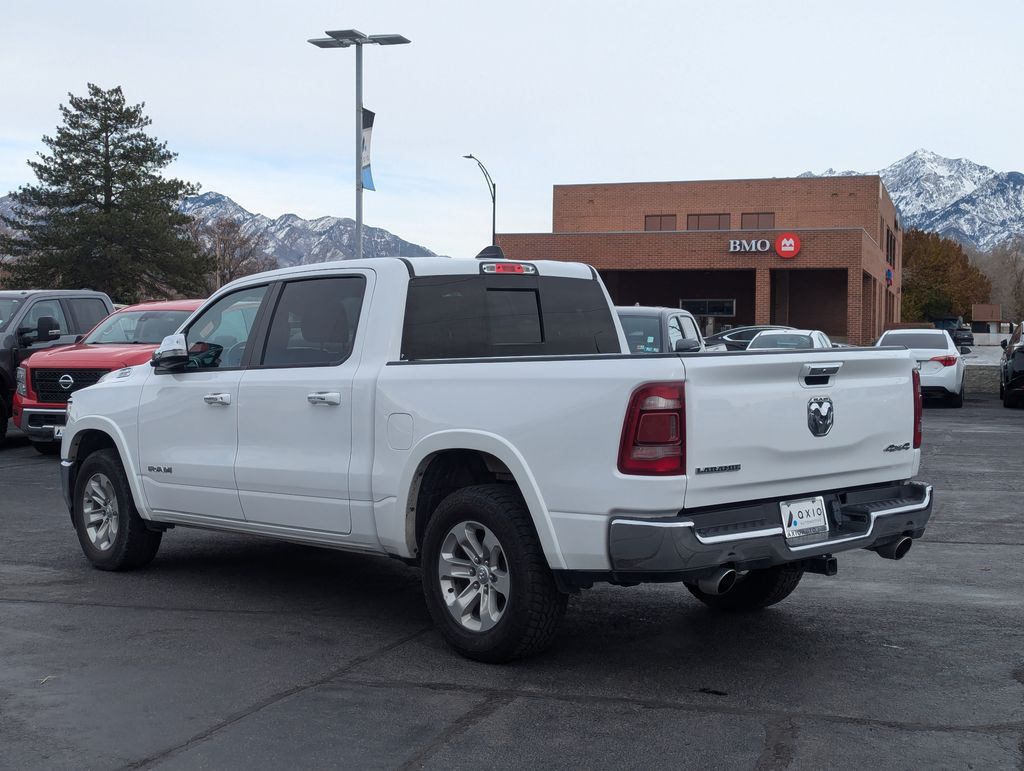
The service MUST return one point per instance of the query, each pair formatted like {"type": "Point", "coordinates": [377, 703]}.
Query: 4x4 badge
{"type": "Point", "coordinates": [820, 415]}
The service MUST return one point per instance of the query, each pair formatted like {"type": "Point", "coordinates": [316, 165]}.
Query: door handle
{"type": "Point", "coordinates": [215, 399]}
{"type": "Point", "coordinates": [332, 398]}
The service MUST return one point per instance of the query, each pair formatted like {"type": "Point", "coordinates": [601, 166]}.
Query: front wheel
{"type": "Point", "coordinates": [753, 591]}
{"type": "Point", "coordinates": [110, 530]}
{"type": "Point", "coordinates": [487, 584]}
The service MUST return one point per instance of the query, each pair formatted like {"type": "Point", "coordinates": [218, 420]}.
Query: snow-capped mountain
{"type": "Point", "coordinates": [290, 239]}
{"type": "Point", "coordinates": [955, 197]}
{"type": "Point", "coordinates": [295, 241]}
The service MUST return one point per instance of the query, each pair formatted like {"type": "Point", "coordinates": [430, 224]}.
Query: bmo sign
{"type": "Point", "coordinates": [787, 245]}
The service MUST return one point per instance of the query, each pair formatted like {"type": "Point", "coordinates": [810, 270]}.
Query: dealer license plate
{"type": "Point", "coordinates": [58, 432]}
{"type": "Point", "coordinates": [804, 517]}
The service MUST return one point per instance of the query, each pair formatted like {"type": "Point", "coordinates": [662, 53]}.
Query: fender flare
{"type": "Point", "coordinates": [492, 444]}
{"type": "Point", "coordinates": [111, 429]}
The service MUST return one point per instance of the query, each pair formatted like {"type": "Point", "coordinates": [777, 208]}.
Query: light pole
{"type": "Point", "coordinates": [343, 38]}
{"type": "Point", "coordinates": [493, 190]}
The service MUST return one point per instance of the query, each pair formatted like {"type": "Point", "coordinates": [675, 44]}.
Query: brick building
{"type": "Point", "coordinates": [816, 252]}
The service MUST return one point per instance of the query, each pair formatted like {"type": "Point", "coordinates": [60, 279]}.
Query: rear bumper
{"type": "Point", "coordinates": [750, 536]}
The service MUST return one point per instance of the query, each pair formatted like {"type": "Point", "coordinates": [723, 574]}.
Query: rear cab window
{"type": "Point", "coordinates": [643, 333]}
{"type": "Point", "coordinates": [489, 316]}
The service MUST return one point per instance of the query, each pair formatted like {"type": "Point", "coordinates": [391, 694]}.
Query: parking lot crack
{"type": "Point", "coordinates": [461, 725]}
{"type": "Point", "coordinates": [276, 698]}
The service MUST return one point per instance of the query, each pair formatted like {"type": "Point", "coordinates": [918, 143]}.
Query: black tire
{"type": "Point", "coordinates": [134, 545]}
{"type": "Point", "coordinates": [1009, 400]}
{"type": "Point", "coordinates": [47, 448]}
{"type": "Point", "coordinates": [757, 589]}
{"type": "Point", "coordinates": [5, 415]}
{"type": "Point", "coordinates": [957, 399]}
{"type": "Point", "coordinates": [534, 606]}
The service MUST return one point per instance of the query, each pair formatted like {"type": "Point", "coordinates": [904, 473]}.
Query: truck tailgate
{"type": "Point", "coordinates": [764, 425]}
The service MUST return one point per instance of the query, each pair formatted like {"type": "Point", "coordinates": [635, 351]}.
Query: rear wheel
{"type": "Point", "coordinates": [4, 416]}
{"type": "Point", "coordinates": [110, 530]}
{"type": "Point", "coordinates": [957, 399]}
{"type": "Point", "coordinates": [1009, 400]}
{"type": "Point", "coordinates": [753, 591]}
{"type": "Point", "coordinates": [487, 584]}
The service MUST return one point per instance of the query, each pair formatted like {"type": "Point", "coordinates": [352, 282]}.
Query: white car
{"type": "Point", "coordinates": [938, 360]}
{"type": "Point", "coordinates": [483, 419]}
{"type": "Point", "coordinates": [789, 339]}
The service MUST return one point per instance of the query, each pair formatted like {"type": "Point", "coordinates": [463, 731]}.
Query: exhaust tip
{"type": "Point", "coordinates": [896, 550]}
{"type": "Point", "coordinates": [718, 582]}
{"type": "Point", "coordinates": [901, 548]}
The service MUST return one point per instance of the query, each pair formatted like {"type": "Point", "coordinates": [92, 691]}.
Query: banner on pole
{"type": "Point", "coordinates": [367, 177]}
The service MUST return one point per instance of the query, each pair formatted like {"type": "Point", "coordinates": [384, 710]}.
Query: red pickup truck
{"type": "Point", "coordinates": [46, 379]}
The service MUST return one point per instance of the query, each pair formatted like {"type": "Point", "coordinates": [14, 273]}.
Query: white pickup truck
{"type": "Point", "coordinates": [483, 420]}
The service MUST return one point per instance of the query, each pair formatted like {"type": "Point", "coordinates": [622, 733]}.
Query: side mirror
{"type": "Point", "coordinates": [78, 338]}
{"type": "Point", "coordinates": [47, 328]}
{"type": "Point", "coordinates": [1002, 343]}
{"type": "Point", "coordinates": [171, 356]}
{"type": "Point", "coordinates": [964, 349]}
{"type": "Point", "coordinates": [687, 345]}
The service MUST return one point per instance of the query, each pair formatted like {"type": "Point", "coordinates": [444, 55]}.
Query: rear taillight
{"type": "Point", "coordinates": [945, 361]}
{"type": "Point", "coordinates": [653, 431]}
{"type": "Point", "coordinates": [917, 409]}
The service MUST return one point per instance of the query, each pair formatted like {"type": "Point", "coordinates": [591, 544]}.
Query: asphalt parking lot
{"type": "Point", "coordinates": [234, 652]}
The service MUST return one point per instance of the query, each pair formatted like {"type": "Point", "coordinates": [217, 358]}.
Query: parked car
{"type": "Point", "coordinates": [938, 357]}
{"type": "Point", "coordinates": [659, 330]}
{"type": "Point", "coordinates": [956, 327]}
{"type": "Point", "coordinates": [484, 420]}
{"type": "Point", "coordinates": [738, 338]}
{"type": "Point", "coordinates": [35, 320]}
{"type": "Point", "coordinates": [47, 379]}
{"type": "Point", "coordinates": [789, 339]}
{"type": "Point", "coordinates": [1011, 369]}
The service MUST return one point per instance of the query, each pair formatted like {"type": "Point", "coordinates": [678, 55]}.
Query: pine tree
{"type": "Point", "coordinates": [101, 215]}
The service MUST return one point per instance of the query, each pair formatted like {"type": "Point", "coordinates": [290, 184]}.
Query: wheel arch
{"type": "Point", "coordinates": [93, 434]}
{"type": "Point", "coordinates": [451, 460]}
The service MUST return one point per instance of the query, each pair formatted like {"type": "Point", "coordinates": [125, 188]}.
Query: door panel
{"type": "Point", "coordinates": [295, 408]}
{"type": "Point", "coordinates": [188, 420]}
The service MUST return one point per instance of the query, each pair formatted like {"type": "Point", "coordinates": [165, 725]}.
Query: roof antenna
{"type": "Point", "coordinates": [492, 252]}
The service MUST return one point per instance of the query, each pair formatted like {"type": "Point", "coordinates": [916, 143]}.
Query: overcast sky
{"type": "Point", "coordinates": [543, 91]}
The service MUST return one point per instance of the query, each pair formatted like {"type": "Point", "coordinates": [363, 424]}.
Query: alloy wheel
{"type": "Point", "coordinates": [474, 577]}
{"type": "Point", "coordinates": [99, 510]}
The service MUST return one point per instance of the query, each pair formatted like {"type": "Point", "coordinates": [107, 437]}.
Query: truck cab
{"type": "Point", "coordinates": [37, 320]}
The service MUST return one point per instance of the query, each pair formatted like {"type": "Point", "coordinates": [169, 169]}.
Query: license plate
{"type": "Point", "coordinates": [804, 517]}
{"type": "Point", "coordinates": [58, 432]}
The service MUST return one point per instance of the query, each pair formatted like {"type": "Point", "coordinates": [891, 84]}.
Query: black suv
{"type": "Point", "coordinates": [32, 320]}
{"type": "Point", "coordinates": [1011, 369]}
{"type": "Point", "coordinates": [958, 330]}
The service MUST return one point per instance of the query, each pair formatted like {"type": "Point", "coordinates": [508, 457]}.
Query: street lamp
{"type": "Point", "coordinates": [493, 189]}
{"type": "Point", "coordinates": [343, 38]}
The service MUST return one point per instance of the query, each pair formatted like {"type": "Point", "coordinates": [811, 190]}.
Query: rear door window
{"type": "Point", "coordinates": [314, 323]}
{"type": "Point", "coordinates": [88, 312]}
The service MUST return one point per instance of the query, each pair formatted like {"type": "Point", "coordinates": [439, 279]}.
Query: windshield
{"type": "Point", "coordinates": [926, 340]}
{"type": "Point", "coordinates": [782, 341]}
{"type": "Point", "coordinates": [137, 327]}
{"type": "Point", "coordinates": [643, 333]}
{"type": "Point", "coordinates": [8, 307]}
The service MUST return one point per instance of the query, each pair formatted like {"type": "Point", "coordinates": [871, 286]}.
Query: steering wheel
{"type": "Point", "coordinates": [234, 355]}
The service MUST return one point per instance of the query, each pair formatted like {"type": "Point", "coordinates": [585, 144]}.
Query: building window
{"type": "Point", "coordinates": [758, 221]}
{"type": "Point", "coordinates": [724, 308]}
{"type": "Point", "coordinates": [660, 222]}
{"type": "Point", "coordinates": [890, 247]}
{"type": "Point", "coordinates": [707, 222]}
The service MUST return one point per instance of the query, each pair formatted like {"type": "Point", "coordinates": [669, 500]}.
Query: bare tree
{"type": "Point", "coordinates": [1004, 264]}
{"type": "Point", "coordinates": [234, 253]}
